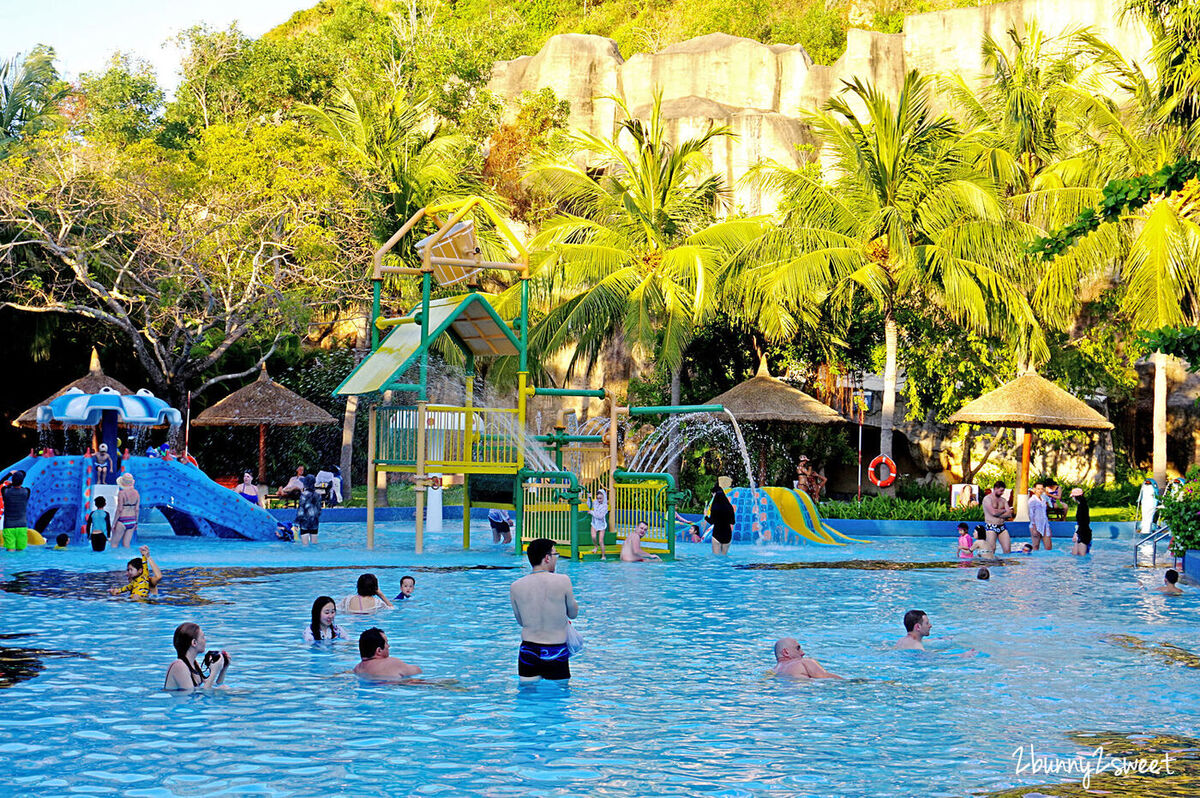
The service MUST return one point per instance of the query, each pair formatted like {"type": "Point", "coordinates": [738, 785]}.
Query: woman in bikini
{"type": "Point", "coordinates": [185, 673]}
{"type": "Point", "coordinates": [128, 508]}
{"type": "Point", "coordinates": [366, 598]}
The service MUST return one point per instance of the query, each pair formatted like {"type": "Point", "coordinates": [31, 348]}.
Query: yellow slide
{"type": "Point", "coordinates": [788, 503]}
{"type": "Point", "coordinates": [817, 523]}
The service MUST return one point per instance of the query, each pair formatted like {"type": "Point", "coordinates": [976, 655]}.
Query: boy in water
{"type": "Point", "coordinates": [143, 574]}
{"type": "Point", "coordinates": [407, 586]}
{"type": "Point", "coordinates": [61, 542]}
{"type": "Point", "coordinates": [1170, 586]}
{"type": "Point", "coordinates": [98, 526]}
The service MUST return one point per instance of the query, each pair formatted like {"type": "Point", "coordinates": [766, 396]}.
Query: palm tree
{"type": "Point", "coordinates": [636, 249]}
{"type": "Point", "coordinates": [1025, 120]}
{"type": "Point", "coordinates": [907, 219]}
{"type": "Point", "coordinates": [417, 159]}
{"type": "Point", "coordinates": [29, 96]}
{"type": "Point", "coordinates": [1153, 121]}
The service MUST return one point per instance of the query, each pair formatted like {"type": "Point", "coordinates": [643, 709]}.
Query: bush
{"type": "Point", "coordinates": [1182, 514]}
{"type": "Point", "coordinates": [885, 508]}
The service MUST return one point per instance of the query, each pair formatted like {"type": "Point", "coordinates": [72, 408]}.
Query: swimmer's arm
{"type": "Point", "coordinates": [385, 601]}
{"type": "Point", "coordinates": [572, 604]}
{"type": "Point", "coordinates": [516, 610]}
{"type": "Point", "coordinates": [815, 670]}
{"type": "Point", "coordinates": [174, 682]}
{"type": "Point", "coordinates": [125, 588]}
{"type": "Point", "coordinates": [155, 575]}
{"type": "Point", "coordinates": [409, 670]}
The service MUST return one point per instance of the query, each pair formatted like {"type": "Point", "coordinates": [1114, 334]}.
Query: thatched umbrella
{"type": "Point", "coordinates": [263, 403]}
{"type": "Point", "coordinates": [91, 382]}
{"type": "Point", "coordinates": [765, 398]}
{"type": "Point", "coordinates": [1030, 401]}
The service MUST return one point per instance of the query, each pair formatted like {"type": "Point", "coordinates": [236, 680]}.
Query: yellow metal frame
{"type": "Point", "coordinates": [633, 502]}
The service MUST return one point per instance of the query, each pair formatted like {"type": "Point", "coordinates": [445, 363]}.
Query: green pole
{"type": "Point", "coordinates": [376, 294]}
{"type": "Point", "coordinates": [519, 511]}
{"type": "Point", "coordinates": [597, 393]}
{"type": "Point", "coordinates": [524, 324]}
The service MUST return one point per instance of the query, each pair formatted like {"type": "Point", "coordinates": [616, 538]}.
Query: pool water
{"type": "Point", "coordinates": [671, 696]}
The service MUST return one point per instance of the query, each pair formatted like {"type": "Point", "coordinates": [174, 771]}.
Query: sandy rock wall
{"type": "Point", "coordinates": [762, 91]}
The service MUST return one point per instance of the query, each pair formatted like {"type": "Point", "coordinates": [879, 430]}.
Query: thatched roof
{"type": "Point", "coordinates": [765, 398]}
{"type": "Point", "coordinates": [91, 382]}
{"type": "Point", "coordinates": [263, 401]}
{"type": "Point", "coordinates": [1031, 401]}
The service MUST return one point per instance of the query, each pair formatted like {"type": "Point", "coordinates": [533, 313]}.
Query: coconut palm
{"type": "Point", "coordinates": [907, 219]}
{"type": "Point", "coordinates": [417, 159]}
{"type": "Point", "coordinates": [29, 96]}
{"type": "Point", "coordinates": [1025, 139]}
{"type": "Point", "coordinates": [1136, 130]}
{"type": "Point", "coordinates": [636, 249]}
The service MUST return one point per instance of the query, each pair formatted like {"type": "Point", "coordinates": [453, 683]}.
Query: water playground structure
{"type": "Point", "coordinates": [541, 479]}
{"type": "Point", "coordinates": [64, 487]}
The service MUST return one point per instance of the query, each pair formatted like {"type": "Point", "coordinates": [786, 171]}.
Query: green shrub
{"type": "Point", "coordinates": [1182, 514]}
{"type": "Point", "coordinates": [885, 508]}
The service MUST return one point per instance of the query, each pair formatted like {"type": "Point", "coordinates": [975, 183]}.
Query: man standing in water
{"type": "Point", "coordinates": [996, 513]}
{"type": "Point", "coordinates": [543, 603]}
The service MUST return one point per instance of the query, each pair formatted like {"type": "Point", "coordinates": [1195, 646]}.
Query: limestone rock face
{"type": "Point", "coordinates": [763, 91]}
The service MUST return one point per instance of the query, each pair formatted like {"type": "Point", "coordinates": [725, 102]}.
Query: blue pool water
{"type": "Point", "coordinates": [671, 696]}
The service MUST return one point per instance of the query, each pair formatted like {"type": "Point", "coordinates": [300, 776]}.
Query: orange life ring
{"type": "Point", "coordinates": [889, 472]}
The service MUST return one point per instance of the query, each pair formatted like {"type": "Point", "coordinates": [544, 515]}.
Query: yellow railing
{"type": "Point", "coordinates": [545, 512]}
{"type": "Point", "coordinates": [457, 439]}
{"type": "Point", "coordinates": [634, 502]}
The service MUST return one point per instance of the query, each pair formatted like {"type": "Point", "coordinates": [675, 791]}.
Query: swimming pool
{"type": "Point", "coordinates": [671, 696]}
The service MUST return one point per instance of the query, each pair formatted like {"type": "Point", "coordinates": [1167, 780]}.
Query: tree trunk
{"type": "Point", "coordinates": [887, 416]}
{"type": "Point", "coordinates": [350, 417]}
{"type": "Point", "coordinates": [676, 375]}
{"type": "Point", "coordinates": [1160, 418]}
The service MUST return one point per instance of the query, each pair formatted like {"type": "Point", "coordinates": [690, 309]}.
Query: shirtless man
{"type": "Point", "coordinates": [295, 485]}
{"type": "Point", "coordinates": [631, 549]}
{"type": "Point", "coordinates": [996, 511]}
{"type": "Point", "coordinates": [917, 623]}
{"type": "Point", "coordinates": [791, 663]}
{"type": "Point", "coordinates": [543, 602]}
{"type": "Point", "coordinates": [377, 663]}
{"type": "Point", "coordinates": [1169, 587]}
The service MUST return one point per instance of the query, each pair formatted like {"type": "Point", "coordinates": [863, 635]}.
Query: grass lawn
{"type": "Point", "coordinates": [1124, 513]}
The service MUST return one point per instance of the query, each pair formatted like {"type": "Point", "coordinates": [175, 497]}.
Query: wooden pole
{"type": "Point", "coordinates": [1022, 498]}
{"type": "Point", "coordinates": [262, 454]}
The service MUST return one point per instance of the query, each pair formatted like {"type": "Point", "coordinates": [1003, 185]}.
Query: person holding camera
{"type": "Point", "coordinates": [185, 674]}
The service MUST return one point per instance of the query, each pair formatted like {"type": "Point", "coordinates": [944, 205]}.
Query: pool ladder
{"type": "Point", "coordinates": [1160, 534]}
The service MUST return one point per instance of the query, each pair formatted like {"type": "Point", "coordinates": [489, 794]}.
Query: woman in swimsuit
{"type": "Point", "coordinates": [248, 490]}
{"type": "Point", "coordinates": [185, 673]}
{"type": "Point", "coordinates": [721, 516]}
{"type": "Point", "coordinates": [322, 626]}
{"type": "Point", "coordinates": [128, 508]}
{"type": "Point", "coordinates": [366, 599]}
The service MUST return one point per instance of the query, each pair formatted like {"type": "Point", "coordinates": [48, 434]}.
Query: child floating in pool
{"type": "Point", "coordinates": [407, 586]}
{"type": "Point", "coordinates": [144, 577]}
{"type": "Point", "coordinates": [366, 599]}
{"type": "Point", "coordinates": [61, 542]}
{"type": "Point", "coordinates": [322, 626]}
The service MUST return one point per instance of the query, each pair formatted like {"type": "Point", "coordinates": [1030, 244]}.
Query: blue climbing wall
{"type": "Point", "coordinates": [191, 502]}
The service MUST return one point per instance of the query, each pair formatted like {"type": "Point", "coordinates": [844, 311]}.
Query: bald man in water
{"type": "Point", "coordinates": [791, 663]}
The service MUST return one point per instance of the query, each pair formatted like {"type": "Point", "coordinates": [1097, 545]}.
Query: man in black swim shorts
{"type": "Point", "coordinates": [543, 603]}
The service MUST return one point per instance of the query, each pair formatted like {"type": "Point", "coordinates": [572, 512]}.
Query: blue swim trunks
{"type": "Point", "coordinates": [549, 661]}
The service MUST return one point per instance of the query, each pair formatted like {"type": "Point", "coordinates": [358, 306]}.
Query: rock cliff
{"type": "Point", "coordinates": [762, 91]}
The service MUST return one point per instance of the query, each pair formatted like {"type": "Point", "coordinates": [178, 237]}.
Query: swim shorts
{"type": "Point", "coordinates": [547, 661]}
{"type": "Point", "coordinates": [996, 529]}
{"type": "Point", "coordinates": [16, 538]}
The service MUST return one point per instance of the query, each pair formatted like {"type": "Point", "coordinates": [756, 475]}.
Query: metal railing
{"type": "Point", "coordinates": [1160, 534]}
{"type": "Point", "coordinates": [546, 513]}
{"type": "Point", "coordinates": [634, 502]}
{"type": "Point", "coordinates": [456, 438]}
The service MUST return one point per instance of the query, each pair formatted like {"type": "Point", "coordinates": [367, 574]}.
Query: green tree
{"type": "Point", "coordinates": [907, 219]}
{"type": "Point", "coordinates": [183, 258]}
{"type": "Point", "coordinates": [636, 250]}
{"type": "Point", "coordinates": [30, 93]}
{"type": "Point", "coordinates": [122, 103]}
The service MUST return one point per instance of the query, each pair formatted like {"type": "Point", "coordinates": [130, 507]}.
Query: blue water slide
{"type": "Point", "coordinates": [191, 502]}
